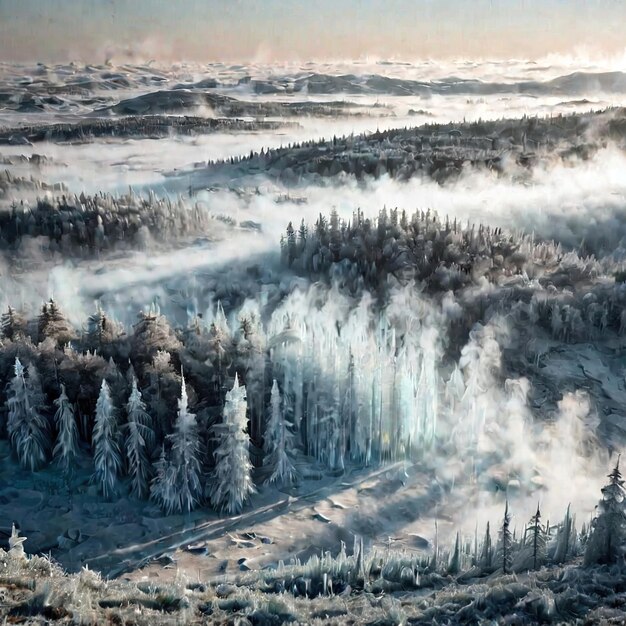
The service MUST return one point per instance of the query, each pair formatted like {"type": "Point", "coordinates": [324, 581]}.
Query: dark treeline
{"type": "Point", "coordinates": [364, 252]}
{"type": "Point", "coordinates": [156, 126]}
{"type": "Point", "coordinates": [164, 411]}
{"type": "Point", "coordinates": [10, 182]}
{"type": "Point", "coordinates": [99, 374]}
{"type": "Point", "coordinates": [445, 256]}
{"type": "Point", "coordinates": [441, 151]}
{"type": "Point", "coordinates": [83, 225]}
{"type": "Point", "coordinates": [184, 98]}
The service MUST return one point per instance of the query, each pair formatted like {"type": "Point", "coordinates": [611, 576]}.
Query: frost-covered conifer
{"type": "Point", "coordinates": [96, 328]}
{"type": "Point", "coordinates": [139, 440]}
{"type": "Point", "coordinates": [66, 447]}
{"type": "Point", "coordinates": [52, 323]}
{"type": "Point", "coordinates": [153, 333]}
{"type": "Point", "coordinates": [279, 440]}
{"type": "Point", "coordinates": [162, 488]}
{"type": "Point", "coordinates": [607, 542]}
{"type": "Point", "coordinates": [177, 486]}
{"type": "Point", "coordinates": [536, 538]}
{"type": "Point", "coordinates": [12, 324]}
{"type": "Point", "coordinates": [35, 389]}
{"type": "Point", "coordinates": [232, 482]}
{"type": "Point", "coordinates": [185, 455]}
{"type": "Point", "coordinates": [506, 541]}
{"type": "Point", "coordinates": [107, 453]}
{"type": "Point", "coordinates": [26, 427]}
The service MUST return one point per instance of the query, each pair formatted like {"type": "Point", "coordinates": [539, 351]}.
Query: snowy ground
{"type": "Point", "coordinates": [385, 506]}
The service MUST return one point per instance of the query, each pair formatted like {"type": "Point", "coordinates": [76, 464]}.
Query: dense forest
{"type": "Point", "coordinates": [348, 371]}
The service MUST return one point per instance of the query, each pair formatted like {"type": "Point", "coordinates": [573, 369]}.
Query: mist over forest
{"type": "Point", "coordinates": [305, 342]}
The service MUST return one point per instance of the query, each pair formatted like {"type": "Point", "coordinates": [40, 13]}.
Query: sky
{"type": "Point", "coordinates": [302, 30]}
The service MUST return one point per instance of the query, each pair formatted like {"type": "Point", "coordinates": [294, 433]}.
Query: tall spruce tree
{"type": "Point", "coordinates": [506, 541]}
{"type": "Point", "coordinates": [536, 538]}
{"type": "Point", "coordinates": [177, 486]}
{"type": "Point", "coordinates": [66, 448]}
{"type": "Point", "coordinates": [607, 542]}
{"type": "Point", "coordinates": [185, 455]}
{"type": "Point", "coordinates": [232, 481]}
{"type": "Point", "coordinates": [12, 324]}
{"type": "Point", "coordinates": [278, 442]}
{"type": "Point", "coordinates": [26, 426]}
{"type": "Point", "coordinates": [139, 440]}
{"type": "Point", "coordinates": [106, 447]}
{"type": "Point", "coordinates": [486, 554]}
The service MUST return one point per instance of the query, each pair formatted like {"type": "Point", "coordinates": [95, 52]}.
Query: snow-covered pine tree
{"type": "Point", "coordinates": [185, 458]}
{"type": "Point", "coordinates": [536, 538]}
{"type": "Point", "coordinates": [278, 441]}
{"type": "Point", "coordinates": [486, 554]}
{"type": "Point", "coordinates": [163, 486]}
{"type": "Point", "coordinates": [34, 389]}
{"type": "Point", "coordinates": [107, 453]}
{"type": "Point", "coordinates": [607, 541]}
{"type": "Point", "coordinates": [96, 329]}
{"type": "Point", "coordinates": [153, 333]}
{"type": "Point", "coordinates": [139, 440]}
{"type": "Point", "coordinates": [52, 323]}
{"type": "Point", "coordinates": [12, 324]}
{"type": "Point", "coordinates": [292, 246]}
{"type": "Point", "coordinates": [506, 541]}
{"type": "Point", "coordinates": [66, 447]}
{"type": "Point", "coordinates": [26, 427]}
{"type": "Point", "coordinates": [232, 481]}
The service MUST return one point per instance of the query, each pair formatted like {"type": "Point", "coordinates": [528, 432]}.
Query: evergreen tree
{"type": "Point", "coordinates": [292, 247]}
{"type": "Point", "coordinates": [12, 324]}
{"type": "Point", "coordinates": [52, 323]}
{"type": "Point", "coordinates": [107, 453]}
{"type": "Point", "coordinates": [176, 486]}
{"type": "Point", "coordinates": [185, 455]}
{"type": "Point", "coordinates": [335, 235]}
{"type": "Point", "coordinates": [102, 332]}
{"type": "Point", "coordinates": [537, 538]}
{"type": "Point", "coordinates": [486, 555]}
{"type": "Point", "coordinates": [96, 329]}
{"type": "Point", "coordinates": [607, 541]}
{"type": "Point", "coordinates": [163, 486]}
{"type": "Point", "coordinates": [232, 482]}
{"type": "Point", "coordinates": [278, 441]}
{"type": "Point", "coordinates": [161, 392]}
{"type": "Point", "coordinates": [26, 427]}
{"type": "Point", "coordinates": [506, 541]}
{"type": "Point", "coordinates": [66, 448]}
{"type": "Point", "coordinates": [42, 321]}
{"type": "Point", "coordinates": [151, 334]}
{"type": "Point", "coordinates": [35, 390]}
{"type": "Point", "coordinates": [303, 234]}
{"type": "Point", "coordinates": [139, 439]}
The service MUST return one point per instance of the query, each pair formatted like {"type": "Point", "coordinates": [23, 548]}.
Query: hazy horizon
{"type": "Point", "coordinates": [250, 30]}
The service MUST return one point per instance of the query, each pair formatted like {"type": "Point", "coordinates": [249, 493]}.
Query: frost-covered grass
{"type": "Point", "coordinates": [36, 590]}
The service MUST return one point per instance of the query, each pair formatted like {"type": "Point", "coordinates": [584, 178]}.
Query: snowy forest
{"type": "Point", "coordinates": [312, 343]}
{"type": "Point", "coordinates": [353, 370]}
